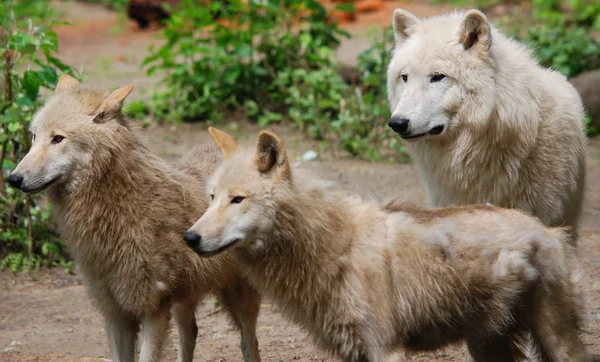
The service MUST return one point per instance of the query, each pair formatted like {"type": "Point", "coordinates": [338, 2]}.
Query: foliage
{"type": "Point", "coordinates": [111, 4]}
{"type": "Point", "coordinates": [354, 116]}
{"type": "Point", "coordinates": [479, 4]}
{"type": "Point", "coordinates": [570, 51]}
{"type": "Point", "coordinates": [562, 40]}
{"type": "Point", "coordinates": [29, 65]}
{"type": "Point", "coordinates": [211, 67]}
{"type": "Point", "coordinates": [272, 60]}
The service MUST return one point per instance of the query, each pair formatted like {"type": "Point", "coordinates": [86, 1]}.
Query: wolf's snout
{"type": "Point", "coordinates": [399, 124]}
{"type": "Point", "coordinates": [15, 180]}
{"type": "Point", "coordinates": [192, 238]}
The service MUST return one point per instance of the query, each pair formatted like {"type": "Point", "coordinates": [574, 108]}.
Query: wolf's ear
{"type": "Point", "coordinates": [227, 143]}
{"type": "Point", "coordinates": [65, 82]}
{"type": "Point", "coordinates": [112, 104]}
{"type": "Point", "coordinates": [475, 32]}
{"type": "Point", "coordinates": [270, 154]}
{"type": "Point", "coordinates": [405, 24]}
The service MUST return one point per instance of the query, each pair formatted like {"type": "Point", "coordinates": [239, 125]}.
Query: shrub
{"type": "Point", "coordinates": [570, 51]}
{"type": "Point", "coordinates": [29, 65]}
{"type": "Point", "coordinates": [274, 61]}
{"type": "Point", "coordinates": [211, 67]}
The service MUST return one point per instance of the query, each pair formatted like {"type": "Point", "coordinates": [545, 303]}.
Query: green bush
{"type": "Point", "coordinates": [210, 67]}
{"type": "Point", "coordinates": [28, 65]}
{"type": "Point", "coordinates": [571, 51]}
{"type": "Point", "coordinates": [273, 61]}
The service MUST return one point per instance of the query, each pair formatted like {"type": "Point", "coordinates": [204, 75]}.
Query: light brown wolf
{"type": "Point", "coordinates": [484, 121]}
{"type": "Point", "coordinates": [122, 211]}
{"type": "Point", "coordinates": [369, 282]}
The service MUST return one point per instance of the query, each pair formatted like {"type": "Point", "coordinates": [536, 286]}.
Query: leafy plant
{"type": "Point", "coordinates": [274, 61]}
{"type": "Point", "coordinates": [570, 51]}
{"type": "Point", "coordinates": [29, 65]}
{"type": "Point", "coordinates": [210, 66]}
{"type": "Point", "coordinates": [353, 116]}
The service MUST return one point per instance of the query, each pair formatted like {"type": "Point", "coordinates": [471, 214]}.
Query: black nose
{"type": "Point", "coordinates": [399, 124]}
{"type": "Point", "coordinates": [192, 239]}
{"type": "Point", "coordinates": [15, 180]}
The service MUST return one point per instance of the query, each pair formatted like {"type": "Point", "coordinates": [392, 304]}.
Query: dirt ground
{"type": "Point", "coordinates": [49, 317]}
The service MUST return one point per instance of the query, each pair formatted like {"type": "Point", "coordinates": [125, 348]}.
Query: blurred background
{"type": "Point", "coordinates": [314, 71]}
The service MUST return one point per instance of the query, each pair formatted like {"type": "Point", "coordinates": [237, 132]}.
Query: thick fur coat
{"type": "Point", "coordinates": [369, 282]}
{"type": "Point", "coordinates": [484, 122]}
{"type": "Point", "coordinates": [122, 212]}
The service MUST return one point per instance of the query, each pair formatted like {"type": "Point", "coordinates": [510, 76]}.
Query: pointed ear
{"type": "Point", "coordinates": [270, 154]}
{"type": "Point", "coordinates": [405, 23]}
{"type": "Point", "coordinates": [112, 104]}
{"type": "Point", "coordinates": [65, 82]}
{"type": "Point", "coordinates": [475, 32]}
{"type": "Point", "coordinates": [227, 143]}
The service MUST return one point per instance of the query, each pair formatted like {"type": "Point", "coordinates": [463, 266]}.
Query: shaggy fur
{"type": "Point", "coordinates": [122, 211]}
{"type": "Point", "coordinates": [512, 132]}
{"type": "Point", "coordinates": [369, 282]}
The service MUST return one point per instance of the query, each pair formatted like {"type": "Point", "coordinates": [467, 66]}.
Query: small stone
{"type": "Point", "coordinates": [309, 155]}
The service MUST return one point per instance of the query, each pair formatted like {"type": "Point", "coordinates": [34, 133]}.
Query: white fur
{"type": "Point", "coordinates": [513, 131]}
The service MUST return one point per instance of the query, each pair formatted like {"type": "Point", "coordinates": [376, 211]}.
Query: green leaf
{"type": "Point", "coordinates": [31, 84]}
{"type": "Point", "coordinates": [58, 63]}
{"type": "Point", "coordinates": [48, 76]}
{"type": "Point", "coordinates": [24, 102]}
{"type": "Point", "coordinates": [346, 7]}
{"type": "Point", "coordinates": [8, 165]}
{"type": "Point", "coordinates": [11, 115]}
{"type": "Point", "coordinates": [14, 127]}
{"type": "Point", "coordinates": [50, 248]}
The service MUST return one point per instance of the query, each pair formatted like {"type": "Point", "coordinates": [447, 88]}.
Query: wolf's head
{"type": "Point", "coordinates": [441, 72]}
{"type": "Point", "coordinates": [241, 191]}
{"type": "Point", "coordinates": [67, 132]}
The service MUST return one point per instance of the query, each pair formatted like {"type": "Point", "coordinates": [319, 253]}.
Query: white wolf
{"type": "Point", "coordinates": [485, 122]}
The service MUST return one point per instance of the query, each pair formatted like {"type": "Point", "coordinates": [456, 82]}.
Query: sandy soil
{"type": "Point", "coordinates": [49, 318]}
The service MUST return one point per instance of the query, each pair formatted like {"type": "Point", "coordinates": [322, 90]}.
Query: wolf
{"type": "Point", "coordinates": [121, 211]}
{"type": "Point", "coordinates": [370, 282]}
{"type": "Point", "coordinates": [483, 121]}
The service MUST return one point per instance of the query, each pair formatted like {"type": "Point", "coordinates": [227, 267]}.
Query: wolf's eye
{"type": "Point", "coordinates": [57, 139]}
{"type": "Point", "coordinates": [404, 77]}
{"type": "Point", "coordinates": [437, 77]}
{"type": "Point", "coordinates": [237, 199]}
{"type": "Point", "coordinates": [212, 196]}
{"type": "Point", "coordinates": [33, 137]}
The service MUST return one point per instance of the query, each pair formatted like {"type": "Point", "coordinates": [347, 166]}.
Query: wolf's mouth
{"type": "Point", "coordinates": [41, 188]}
{"type": "Point", "coordinates": [210, 253]}
{"type": "Point", "coordinates": [434, 132]}
{"type": "Point", "coordinates": [407, 137]}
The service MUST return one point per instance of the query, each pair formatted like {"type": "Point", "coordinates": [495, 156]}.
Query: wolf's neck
{"type": "Point", "coordinates": [309, 244]}
{"type": "Point", "coordinates": [105, 197]}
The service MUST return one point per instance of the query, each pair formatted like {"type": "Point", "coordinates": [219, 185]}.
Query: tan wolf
{"type": "Point", "coordinates": [483, 121]}
{"type": "Point", "coordinates": [369, 282]}
{"type": "Point", "coordinates": [122, 211]}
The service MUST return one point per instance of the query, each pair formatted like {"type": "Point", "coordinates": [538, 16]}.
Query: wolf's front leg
{"type": "Point", "coordinates": [185, 319]}
{"type": "Point", "coordinates": [154, 332]}
{"type": "Point", "coordinates": [243, 304]}
{"type": "Point", "coordinates": [121, 337]}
